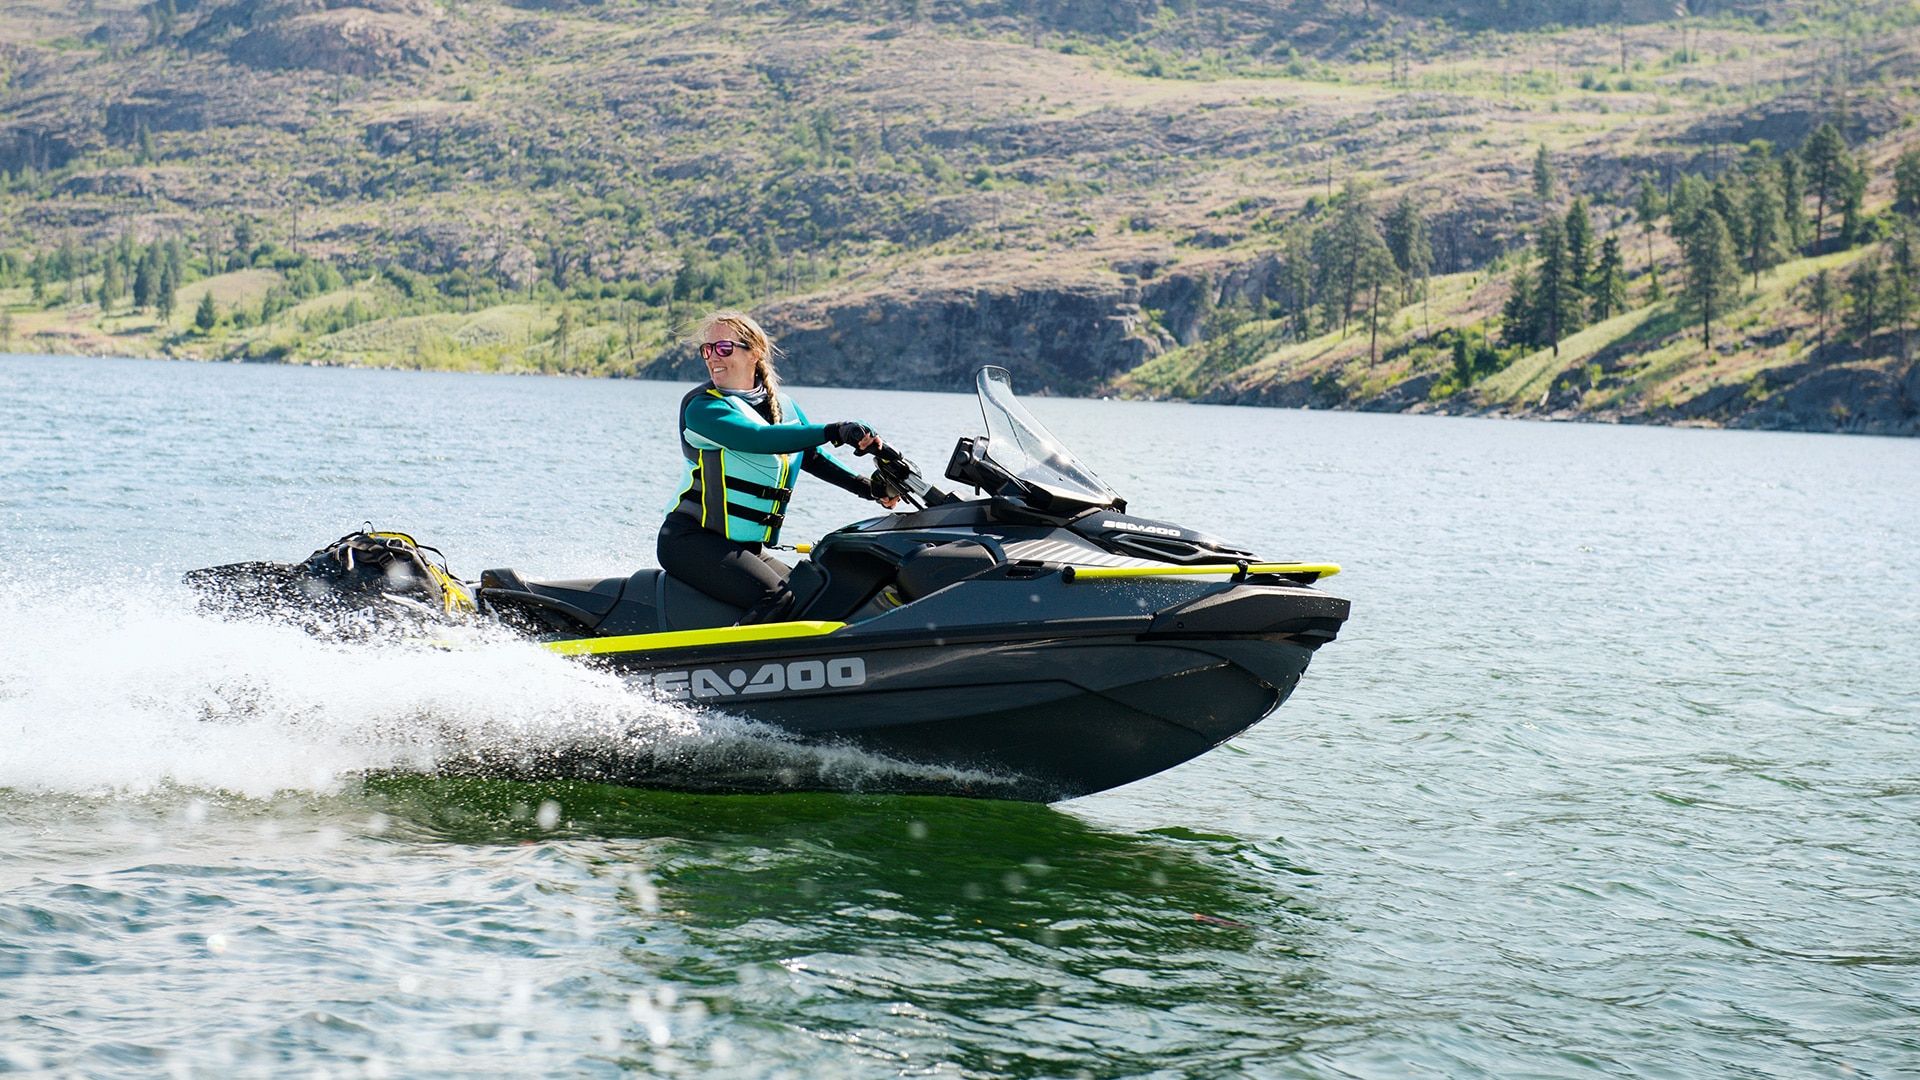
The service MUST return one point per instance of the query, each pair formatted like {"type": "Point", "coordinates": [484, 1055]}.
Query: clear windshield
{"type": "Point", "coordinates": [1017, 443]}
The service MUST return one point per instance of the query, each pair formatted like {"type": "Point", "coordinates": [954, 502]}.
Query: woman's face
{"type": "Point", "coordinates": [733, 372]}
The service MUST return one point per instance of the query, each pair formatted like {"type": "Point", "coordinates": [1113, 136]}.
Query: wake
{"type": "Point", "coordinates": [127, 687]}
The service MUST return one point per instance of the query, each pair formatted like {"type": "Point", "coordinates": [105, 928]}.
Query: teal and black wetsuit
{"type": "Point", "coordinates": [732, 500]}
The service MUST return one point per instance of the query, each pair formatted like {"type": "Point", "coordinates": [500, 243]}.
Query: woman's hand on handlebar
{"type": "Point", "coordinates": [889, 502]}
{"type": "Point", "coordinates": [855, 434]}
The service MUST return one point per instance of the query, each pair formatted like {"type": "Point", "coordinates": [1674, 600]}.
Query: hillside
{"type": "Point", "coordinates": [1106, 197]}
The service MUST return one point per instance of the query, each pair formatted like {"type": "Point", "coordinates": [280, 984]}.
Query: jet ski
{"type": "Point", "coordinates": [1030, 640]}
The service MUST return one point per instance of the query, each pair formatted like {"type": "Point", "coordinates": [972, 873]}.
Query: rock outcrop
{"type": "Point", "coordinates": [1056, 338]}
{"type": "Point", "coordinates": [1864, 398]}
{"type": "Point", "coordinates": [366, 38]}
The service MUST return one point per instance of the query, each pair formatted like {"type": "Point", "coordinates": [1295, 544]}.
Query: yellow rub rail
{"type": "Point", "coordinates": [682, 639]}
{"type": "Point", "coordinates": [1095, 573]}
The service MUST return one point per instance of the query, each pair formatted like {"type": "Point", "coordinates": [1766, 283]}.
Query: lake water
{"type": "Point", "coordinates": [1613, 773]}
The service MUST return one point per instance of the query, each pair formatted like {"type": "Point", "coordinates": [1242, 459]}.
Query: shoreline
{"type": "Point", "coordinates": [1554, 415]}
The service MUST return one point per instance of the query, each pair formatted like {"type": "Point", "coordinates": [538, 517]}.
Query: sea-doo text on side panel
{"type": "Point", "coordinates": [1036, 642]}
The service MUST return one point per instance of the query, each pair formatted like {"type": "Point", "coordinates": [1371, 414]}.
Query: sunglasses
{"type": "Point", "coordinates": [722, 349]}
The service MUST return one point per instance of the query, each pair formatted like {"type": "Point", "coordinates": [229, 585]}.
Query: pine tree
{"type": "Point", "coordinates": [1647, 208]}
{"type": "Point", "coordinates": [146, 278]}
{"type": "Point", "coordinates": [167, 286]}
{"type": "Point", "coordinates": [1684, 205]}
{"type": "Point", "coordinates": [1793, 198]}
{"type": "Point", "coordinates": [1765, 226]}
{"type": "Point", "coordinates": [1374, 273]}
{"type": "Point", "coordinates": [1906, 182]}
{"type": "Point", "coordinates": [1898, 300]}
{"type": "Point", "coordinates": [1828, 167]}
{"type": "Point", "coordinates": [1712, 273]}
{"type": "Point", "coordinates": [1406, 239]}
{"type": "Point", "coordinates": [1297, 276]}
{"type": "Point", "coordinates": [206, 316]}
{"type": "Point", "coordinates": [1556, 301]}
{"type": "Point", "coordinates": [1728, 198]}
{"type": "Point", "coordinates": [1608, 291]}
{"type": "Point", "coordinates": [1348, 248]}
{"type": "Point", "coordinates": [127, 253]}
{"type": "Point", "coordinates": [1516, 316]}
{"type": "Point", "coordinates": [1853, 192]}
{"type": "Point", "coordinates": [243, 243]}
{"type": "Point", "coordinates": [1543, 175]}
{"type": "Point", "coordinates": [1822, 299]}
{"type": "Point", "coordinates": [110, 284]}
{"type": "Point", "coordinates": [1579, 251]}
{"type": "Point", "coordinates": [177, 260]}
{"type": "Point", "coordinates": [1864, 287]}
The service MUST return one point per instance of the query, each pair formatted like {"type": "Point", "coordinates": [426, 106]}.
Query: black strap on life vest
{"type": "Point", "coordinates": [759, 491]}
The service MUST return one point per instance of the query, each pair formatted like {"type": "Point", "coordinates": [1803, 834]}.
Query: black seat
{"type": "Point", "coordinates": [585, 602]}
{"type": "Point", "coordinates": [683, 607]}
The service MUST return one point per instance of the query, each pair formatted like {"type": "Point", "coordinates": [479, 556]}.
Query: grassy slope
{"type": "Point", "coordinates": [1057, 155]}
{"type": "Point", "coordinates": [1648, 363]}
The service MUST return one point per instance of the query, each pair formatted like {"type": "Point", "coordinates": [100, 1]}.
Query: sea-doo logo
{"type": "Point", "coordinates": [707, 684]}
{"type": "Point", "coordinates": [1128, 526]}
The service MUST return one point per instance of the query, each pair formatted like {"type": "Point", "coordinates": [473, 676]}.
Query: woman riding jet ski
{"type": "Point", "coordinates": [1032, 642]}
{"type": "Point", "coordinates": [741, 436]}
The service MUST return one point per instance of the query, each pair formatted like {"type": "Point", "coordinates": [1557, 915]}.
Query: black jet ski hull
{"type": "Point", "coordinates": [1038, 720]}
{"type": "Point", "coordinates": [1036, 642]}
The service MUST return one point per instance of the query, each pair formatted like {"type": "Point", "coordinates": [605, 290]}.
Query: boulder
{"type": "Point", "coordinates": [344, 41]}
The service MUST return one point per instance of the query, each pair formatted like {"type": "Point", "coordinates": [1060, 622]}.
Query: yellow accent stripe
{"type": "Point", "coordinates": [1087, 573]}
{"type": "Point", "coordinates": [682, 639]}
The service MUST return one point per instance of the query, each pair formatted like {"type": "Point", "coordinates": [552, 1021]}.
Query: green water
{"type": "Point", "coordinates": [1612, 773]}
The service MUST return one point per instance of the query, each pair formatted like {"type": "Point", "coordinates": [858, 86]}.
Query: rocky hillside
{"type": "Point", "coordinates": [1100, 196]}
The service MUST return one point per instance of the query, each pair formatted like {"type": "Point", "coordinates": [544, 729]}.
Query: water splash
{"type": "Point", "coordinates": [128, 686]}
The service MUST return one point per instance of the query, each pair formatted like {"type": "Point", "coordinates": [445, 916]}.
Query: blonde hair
{"type": "Point", "coordinates": [757, 341]}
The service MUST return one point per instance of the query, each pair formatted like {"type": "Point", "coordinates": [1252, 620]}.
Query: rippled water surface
{"type": "Point", "coordinates": [1613, 773]}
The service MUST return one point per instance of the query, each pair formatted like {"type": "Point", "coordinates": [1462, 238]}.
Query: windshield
{"type": "Point", "coordinates": [1017, 443]}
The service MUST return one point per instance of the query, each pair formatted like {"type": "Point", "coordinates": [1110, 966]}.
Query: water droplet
{"type": "Point", "coordinates": [549, 815]}
{"type": "Point", "coordinates": [216, 943]}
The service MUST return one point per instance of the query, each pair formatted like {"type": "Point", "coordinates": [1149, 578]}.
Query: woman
{"type": "Point", "coordinates": [742, 439]}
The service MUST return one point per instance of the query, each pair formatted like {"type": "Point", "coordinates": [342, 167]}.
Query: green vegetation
{"type": "Point", "coordinates": [1518, 216]}
{"type": "Point", "coordinates": [1571, 328]}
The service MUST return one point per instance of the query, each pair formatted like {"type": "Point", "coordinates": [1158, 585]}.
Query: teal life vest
{"type": "Point", "coordinates": [739, 495]}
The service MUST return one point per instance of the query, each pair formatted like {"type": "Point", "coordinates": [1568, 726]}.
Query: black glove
{"type": "Point", "coordinates": [881, 487]}
{"type": "Point", "coordinates": [847, 432]}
